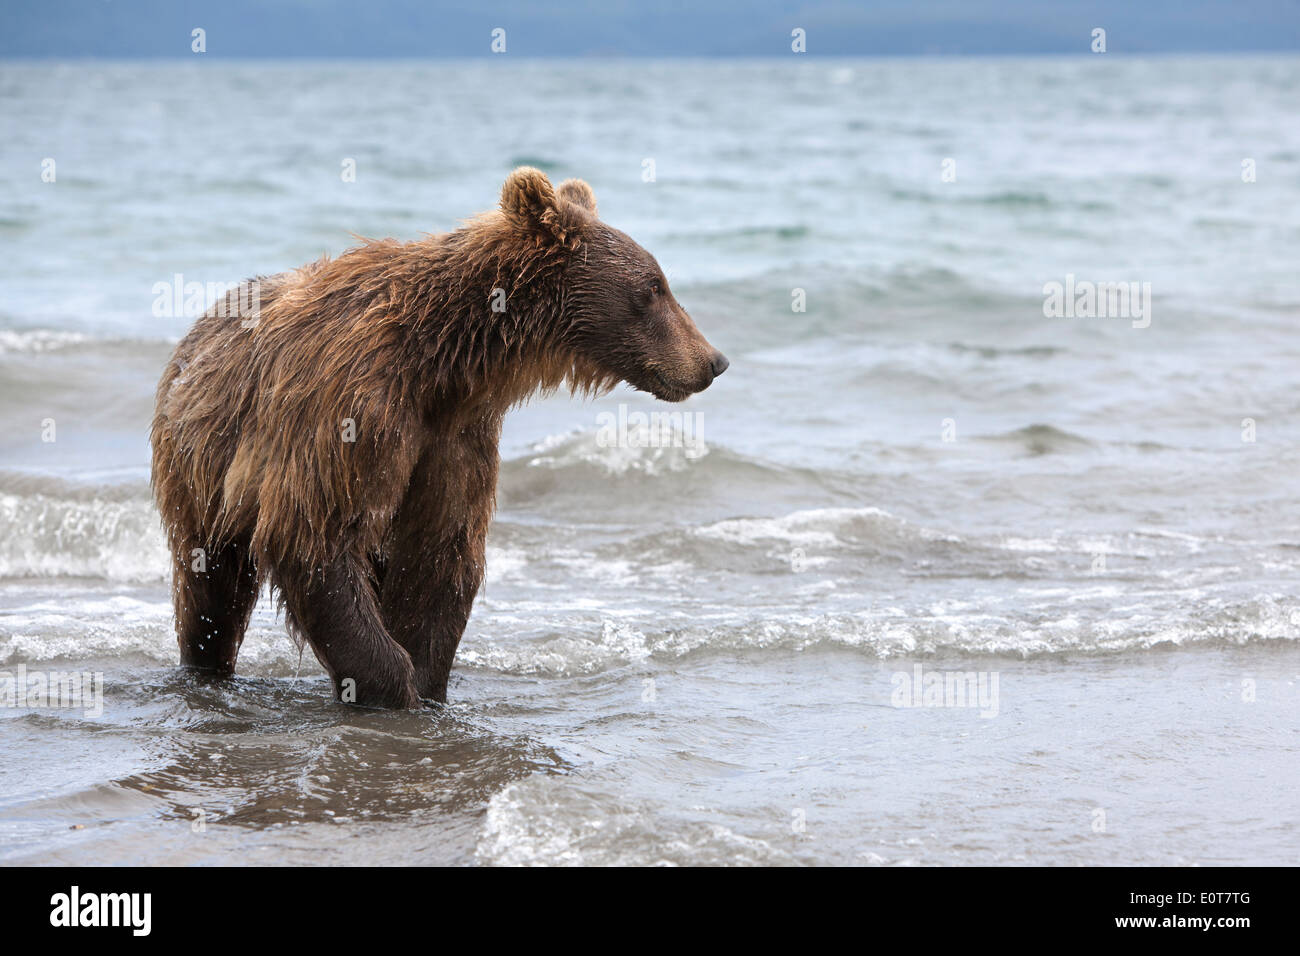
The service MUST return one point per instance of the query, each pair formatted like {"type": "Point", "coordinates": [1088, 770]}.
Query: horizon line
{"type": "Point", "coordinates": [487, 57]}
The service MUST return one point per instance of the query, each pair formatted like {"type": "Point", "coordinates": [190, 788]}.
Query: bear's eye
{"type": "Point", "coordinates": [656, 287]}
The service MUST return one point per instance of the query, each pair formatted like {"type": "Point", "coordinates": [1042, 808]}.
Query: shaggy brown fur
{"type": "Point", "coordinates": [376, 544]}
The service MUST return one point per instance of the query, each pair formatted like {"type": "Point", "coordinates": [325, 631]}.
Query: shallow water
{"type": "Point", "coordinates": [690, 654]}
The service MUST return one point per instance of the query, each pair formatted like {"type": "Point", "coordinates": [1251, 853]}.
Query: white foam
{"type": "Point", "coordinates": [1022, 627]}
{"type": "Point", "coordinates": [548, 820]}
{"type": "Point", "coordinates": [504, 564]}
{"type": "Point", "coordinates": [43, 536]}
{"type": "Point", "coordinates": [814, 527]}
{"type": "Point", "coordinates": [37, 340]}
{"type": "Point", "coordinates": [638, 454]}
{"type": "Point", "coordinates": [85, 626]}
{"type": "Point", "coordinates": [619, 643]}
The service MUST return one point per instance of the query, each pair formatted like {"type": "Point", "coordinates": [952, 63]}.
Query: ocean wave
{"type": "Point", "coordinates": [550, 640]}
{"type": "Point", "coordinates": [997, 352]}
{"type": "Point", "coordinates": [80, 624]}
{"type": "Point", "coordinates": [56, 527]}
{"type": "Point", "coordinates": [40, 341]}
{"type": "Point", "coordinates": [63, 530]}
{"type": "Point", "coordinates": [1004, 199]}
{"type": "Point", "coordinates": [564, 474]}
{"type": "Point", "coordinates": [1038, 439]}
{"type": "Point", "coordinates": [843, 290]}
{"type": "Point", "coordinates": [646, 449]}
{"type": "Point", "coordinates": [550, 165]}
{"type": "Point", "coordinates": [779, 231]}
{"type": "Point", "coordinates": [1052, 629]}
{"type": "Point", "coordinates": [557, 820]}
{"type": "Point", "coordinates": [842, 545]}
{"type": "Point", "coordinates": [30, 341]}
{"type": "Point", "coordinates": [803, 539]}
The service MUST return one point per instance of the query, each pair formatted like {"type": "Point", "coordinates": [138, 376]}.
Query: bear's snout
{"type": "Point", "coordinates": [714, 364]}
{"type": "Point", "coordinates": [685, 365]}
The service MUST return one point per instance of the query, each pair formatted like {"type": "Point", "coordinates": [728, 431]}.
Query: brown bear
{"type": "Point", "coordinates": [339, 440]}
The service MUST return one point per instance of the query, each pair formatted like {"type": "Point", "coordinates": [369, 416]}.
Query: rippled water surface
{"type": "Point", "coordinates": [694, 654]}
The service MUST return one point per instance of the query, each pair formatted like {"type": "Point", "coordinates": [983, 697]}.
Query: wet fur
{"type": "Point", "coordinates": [376, 547]}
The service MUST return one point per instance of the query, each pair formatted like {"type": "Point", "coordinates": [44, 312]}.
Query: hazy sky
{"type": "Point", "coordinates": [432, 28]}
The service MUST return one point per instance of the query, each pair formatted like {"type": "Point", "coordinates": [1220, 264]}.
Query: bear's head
{"type": "Point", "coordinates": [618, 313]}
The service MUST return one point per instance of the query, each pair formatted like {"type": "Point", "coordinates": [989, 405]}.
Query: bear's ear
{"type": "Point", "coordinates": [578, 193]}
{"type": "Point", "coordinates": [531, 205]}
{"type": "Point", "coordinates": [528, 199]}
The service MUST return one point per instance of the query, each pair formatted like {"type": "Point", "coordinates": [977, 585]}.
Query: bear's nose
{"type": "Point", "coordinates": [720, 364]}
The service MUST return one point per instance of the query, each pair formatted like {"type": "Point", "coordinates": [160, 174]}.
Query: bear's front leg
{"type": "Point", "coordinates": [435, 558]}
{"type": "Point", "coordinates": [428, 590]}
{"type": "Point", "coordinates": [335, 609]}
